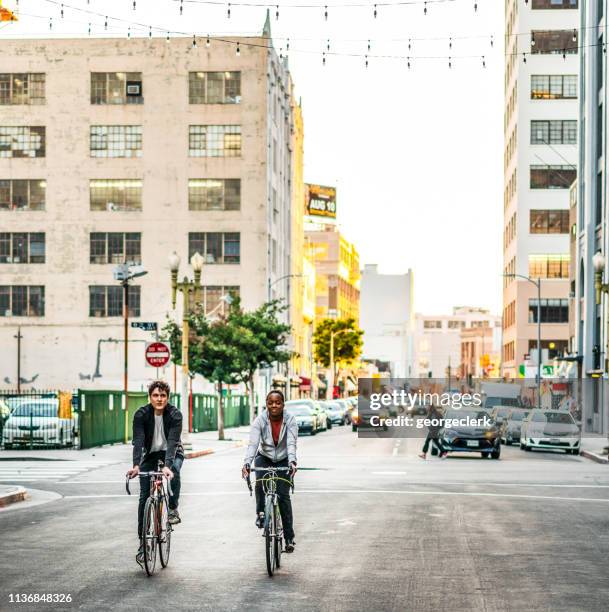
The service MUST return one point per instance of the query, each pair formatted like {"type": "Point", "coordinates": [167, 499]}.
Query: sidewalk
{"type": "Point", "coordinates": [203, 443]}
{"type": "Point", "coordinates": [11, 494]}
{"type": "Point", "coordinates": [595, 449]}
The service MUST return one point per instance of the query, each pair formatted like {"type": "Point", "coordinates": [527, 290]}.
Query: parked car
{"type": "Point", "coordinates": [5, 411]}
{"type": "Point", "coordinates": [470, 438]}
{"type": "Point", "coordinates": [355, 419]}
{"type": "Point", "coordinates": [499, 415]}
{"type": "Point", "coordinates": [336, 412]}
{"type": "Point", "coordinates": [550, 429]}
{"type": "Point", "coordinates": [320, 416]}
{"type": "Point", "coordinates": [37, 422]}
{"type": "Point", "coordinates": [305, 417]}
{"type": "Point", "coordinates": [323, 407]}
{"type": "Point", "coordinates": [510, 433]}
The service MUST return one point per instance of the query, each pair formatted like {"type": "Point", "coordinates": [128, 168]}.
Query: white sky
{"type": "Point", "coordinates": [417, 156]}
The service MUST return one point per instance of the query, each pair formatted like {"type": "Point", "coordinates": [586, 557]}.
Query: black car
{"type": "Point", "coordinates": [482, 437]}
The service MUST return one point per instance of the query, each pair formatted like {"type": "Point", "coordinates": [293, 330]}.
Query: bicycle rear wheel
{"type": "Point", "coordinates": [150, 536]}
{"type": "Point", "coordinates": [164, 532]}
{"type": "Point", "coordinates": [269, 527]}
{"type": "Point", "coordinates": [278, 537]}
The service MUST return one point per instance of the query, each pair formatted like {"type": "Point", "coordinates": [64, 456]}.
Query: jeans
{"type": "Point", "coordinates": [150, 464]}
{"type": "Point", "coordinates": [432, 440]}
{"type": "Point", "coordinates": [283, 493]}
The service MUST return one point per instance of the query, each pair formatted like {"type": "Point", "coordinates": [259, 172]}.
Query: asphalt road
{"type": "Point", "coordinates": [377, 528]}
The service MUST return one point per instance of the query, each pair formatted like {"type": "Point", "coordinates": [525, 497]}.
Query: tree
{"type": "Point", "coordinates": [262, 340]}
{"type": "Point", "coordinates": [213, 353]}
{"type": "Point", "coordinates": [347, 344]}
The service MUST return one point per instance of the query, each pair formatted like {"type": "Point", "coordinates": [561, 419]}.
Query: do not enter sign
{"type": "Point", "coordinates": [157, 354]}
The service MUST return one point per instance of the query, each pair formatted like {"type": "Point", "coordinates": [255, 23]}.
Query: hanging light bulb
{"type": "Point", "coordinates": [61, 11]}
{"type": "Point", "coordinates": [89, 29]}
{"type": "Point", "coordinates": [106, 23]}
{"type": "Point", "coordinates": [483, 62]}
{"type": "Point", "coordinates": [532, 39]}
{"type": "Point", "coordinates": [375, 11]}
{"type": "Point", "coordinates": [207, 42]}
{"type": "Point", "coordinates": [475, 7]}
{"type": "Point", "coordinates": [181, 6]}
{"type": "Point", "coordinates": [574, 35]}
{"type": "Point", "coordinates": [328, 45]}
{"type": "Point", "coordinates": [409, 45]}
{"type": "Point", "coordinates": [228, 11]}
{"type": "Point", "coordinates": [238, 50]}
{"type": "Point", "coordinates": [149, 31]}
{"type": "Point", "coordinates": [129, 32]}
{"type": "Point", "coordinates": [323, 58]}
{"type": "Point", "coordinates": [134, 4]}
{"type": "Point", "coordinates": [194, 41]}
{"type": "Point", "coordinates": [450, 43]}
{"type": "Point", "coordinates": [287, 46]}
{"type": "Point", "coordinates": [450, 63]}
{"type": "Point", "coordinates": [366, 61]}
{"type": "Point", "coordinates": [524, 58]}
{"type": "Point", "coordinates": [280, 53]}
{"type": "Point", "coordinates": [277, 12]}
{"type": "Point", "coordinates": [408, 61]}
{"type": "Point", "coordinates": [326, 13]}
{"type": "Point", "coordinates": [564, 54]}
{"type": "Point", "coordinates": [50, 23]}
{"type": "Point", "coordinates": [492, 41]}
{"type": "Point", "coordinates": [425, 9]}
{"type": "Point", "coordinates": [368, 46]}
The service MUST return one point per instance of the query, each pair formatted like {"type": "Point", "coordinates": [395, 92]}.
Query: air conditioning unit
{"type": "Point", "coordinates": [134, 88]}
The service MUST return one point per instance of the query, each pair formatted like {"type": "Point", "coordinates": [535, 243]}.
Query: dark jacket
{"type": "Point", "coordinates": [434, 413]}
{"type": "Point", "coordinates": [143, 432]}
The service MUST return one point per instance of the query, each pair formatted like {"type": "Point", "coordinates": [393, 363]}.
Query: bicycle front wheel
{"type": "Point", "coordinates": [164, 532]}
{"type": "Point", "coordinates": [150, 536]}
{"type": "Point", "coordinates": [278, 537]}
{"type": "Point", "coordinates": [269, 539]}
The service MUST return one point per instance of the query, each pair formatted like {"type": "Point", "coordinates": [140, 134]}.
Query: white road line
{"type": "Point", "coordinates": [370, 492]}
{"type": "Point", "coordinates": [389, 473]}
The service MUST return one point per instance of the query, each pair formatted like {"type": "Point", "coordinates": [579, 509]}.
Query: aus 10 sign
{"type": "Point", "coordinates": [157, 354]}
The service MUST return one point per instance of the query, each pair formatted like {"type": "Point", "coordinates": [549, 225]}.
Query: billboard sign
{"type": "Point", "coordinates": [320, 201]}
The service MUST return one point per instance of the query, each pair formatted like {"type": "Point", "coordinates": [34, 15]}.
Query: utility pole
{"type": "Point", "coordinates": [19, 336]}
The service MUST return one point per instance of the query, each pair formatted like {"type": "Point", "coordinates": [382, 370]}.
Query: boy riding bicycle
{"type": "Point", "coordinates": [272, 443]}
{"type": "Point", "coordinates": [157, 428]}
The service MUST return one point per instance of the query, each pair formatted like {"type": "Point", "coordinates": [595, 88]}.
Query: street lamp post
{"type": "Point", "coordinates": [186, 287]}
{"type": "Point", "coordinates": [537, 284]}
{"type": "Point", "coordinates": [332, 335]}
{"type": "Point", "coordinates": [124, 273]}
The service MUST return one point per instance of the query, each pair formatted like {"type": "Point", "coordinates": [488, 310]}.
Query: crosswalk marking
{"type": "Point", "coordinates": [22, 471]}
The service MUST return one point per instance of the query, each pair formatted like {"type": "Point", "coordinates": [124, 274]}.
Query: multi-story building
{"type": "Point", "coordinates": [541, 151]}
{"type": "Point", "coordinates": [387, 318]}
{"type": "Point", "coordinates": [337, 273]}
{"type": "Point", "coordinates": [481, 351]}
{"type": "Point", "coordinates": [125, 150]}
{"type": "Point", "coordinates": [437, 340]}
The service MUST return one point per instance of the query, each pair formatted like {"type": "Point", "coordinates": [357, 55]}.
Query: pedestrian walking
{"type": "Point", "coordinates": [434, 414]}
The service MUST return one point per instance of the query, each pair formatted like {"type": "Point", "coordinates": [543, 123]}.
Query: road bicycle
{"type": "Point", "coordinates": [157, 528]}
{"type": "Point", "coordinates": [273, 528]}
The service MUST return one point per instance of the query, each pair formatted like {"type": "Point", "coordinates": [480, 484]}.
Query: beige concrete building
{"type": "Point", "coordinates": [115, 150]}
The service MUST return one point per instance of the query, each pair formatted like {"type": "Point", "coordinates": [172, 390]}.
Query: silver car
{"type": "Point", "coordinates": [550, 429]}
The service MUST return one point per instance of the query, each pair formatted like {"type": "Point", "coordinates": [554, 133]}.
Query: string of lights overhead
{"type": "Point", "coordinates": [367, 55]}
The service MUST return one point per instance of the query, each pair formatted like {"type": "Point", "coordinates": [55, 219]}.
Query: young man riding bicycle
{"type": "Point", "coordinates": [272, 443]}
{"type": "Point", "coordinates": [157, 428]}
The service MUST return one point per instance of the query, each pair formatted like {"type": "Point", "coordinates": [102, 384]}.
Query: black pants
{"type": "Point", "coordinates": [150, 464]}
{"type": "Point", "coordinates": [283, 492]}
{"type": "Point", "coordinates": [432, 439]}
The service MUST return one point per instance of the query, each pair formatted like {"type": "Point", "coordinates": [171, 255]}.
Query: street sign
{"type": "Point", "coordinates": [145, 325]}
{"type": "Point", "coordinates": [157, 354]}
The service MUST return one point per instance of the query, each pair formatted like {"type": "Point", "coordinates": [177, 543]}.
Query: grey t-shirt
{"type": "Point", "coordinates": [159, 441]}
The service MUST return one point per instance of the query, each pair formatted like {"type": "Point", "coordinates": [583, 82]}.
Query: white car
{"type": "Point", "coordinates": [37, 422]}
{"type": "Point", "coordinates": [550, 429]}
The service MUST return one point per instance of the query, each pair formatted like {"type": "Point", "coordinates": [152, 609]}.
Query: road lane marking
{"type": "Point", "coordinates": [368, 492]}
{"type": "Point", "coordinates": [389, 473]}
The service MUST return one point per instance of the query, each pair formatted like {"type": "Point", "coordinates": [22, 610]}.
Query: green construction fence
{"type": "Point", "coordinates": [101, 414]}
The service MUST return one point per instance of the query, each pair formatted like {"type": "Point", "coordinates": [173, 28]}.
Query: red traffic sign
{"type": "Point", "coordinates": [157, 354]}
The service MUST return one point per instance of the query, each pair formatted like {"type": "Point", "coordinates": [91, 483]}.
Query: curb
{"type": "Point", "coordinates": [594, 457]}
{"type": "Point", "coordinates": [12, 497]}
{"type": "Point", "coordinates": [199, 453]}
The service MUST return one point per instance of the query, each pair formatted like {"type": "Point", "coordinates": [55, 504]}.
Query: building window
{"type": "Point", "coordinates": [214, 194]}
{"type": "Point", "coordinates": [21, 301]}
{"type": "Point", "coordinates": [216, 247]}
{"type": "Point", "coordinates": [554, 4]}
{"type": "Point", "coordinates": [453, 324]}
{"type": "Point", "coordinates": [116, 141]}
{"type": "Point", "coordinates": [549, 266]}
{"type": "Point", "coordinates": [554, 41]}
{"type": "Point", "coordinates": [554, 132]}
{"type": "Point", "coordinates": [26, 88]}
{"type": "Point", "coordinates": [115, 247]}
{"type": "Point", "coordinates": [214, 297]}
{"type": "Point", "coordinates": [22, 194]}
{"type": "Point", "coordinates": [552, 311]}
{"type": "Point", "coordinates": [22, 248]}
{"type": "Point", "coordinates": [549, 222]}
{"type": "Point", "coordinates": [552, 177]}
{"type": "Point", "coordinates": [553, 86]}
{"type": "Point", "coordinates": [214, 87]}
{"type": "Point", "coordinates": [107, 300]}
{"type": "Point", "coordinates": [214, 141]}
{"type": "Point", "coordinates": [116, 88]}
{"type": "Point", "coordinates": [22, 141]}
{"type": "Point", "coordinates": [432, 324]}
{"type": "Point", "coordinates": [116, 194]}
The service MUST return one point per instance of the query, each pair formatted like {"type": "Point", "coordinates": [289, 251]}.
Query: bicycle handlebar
{"type": "Point", "coordinates": [150, 474]}
{"type": "Point", "coordinates": [270, 469]}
